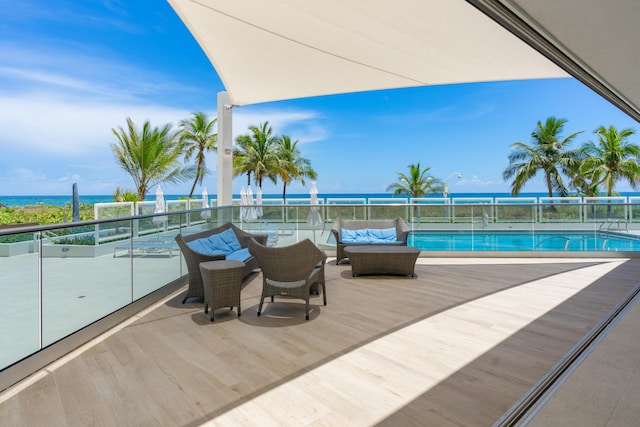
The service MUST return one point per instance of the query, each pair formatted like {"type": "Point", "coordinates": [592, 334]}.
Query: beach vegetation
{"type": "Point", "coordinates": [124, 195]}
{"type": "Point", "coordinates": [611, 158]}
{"type": "Point", "coordinates": [197, 137]}
{"type": "Point", "coordinates": [293, 166]}
{"type": "Point", "coordinates": [43, 214]}
{"type": "Point", "coordinates": [418, 183]}
{"type": "Point", "coordinates": [548, 153]}
{"type": "Point", "coordinates": [150, 156]}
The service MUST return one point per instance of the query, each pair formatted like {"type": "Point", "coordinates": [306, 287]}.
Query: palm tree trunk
{"type": "Point", "coordinates": [193, 187]}
{"type": "Point", "coordinates": [284, 191]}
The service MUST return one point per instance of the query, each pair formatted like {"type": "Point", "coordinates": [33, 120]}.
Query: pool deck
{"type": "Point", "coordinates": [458, 345]}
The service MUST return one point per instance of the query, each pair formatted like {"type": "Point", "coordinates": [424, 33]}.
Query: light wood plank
{"type": "Point", "coordinates": [457, 345]}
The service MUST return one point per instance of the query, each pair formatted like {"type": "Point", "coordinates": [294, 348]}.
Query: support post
{"type": "Point", "coordinates": [225, 150]}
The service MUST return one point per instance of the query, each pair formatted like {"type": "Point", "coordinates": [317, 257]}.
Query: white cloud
{"type": "Point", "coordinates": [302, 125]}
{"type": "Point", "coordinates": [50, 124]}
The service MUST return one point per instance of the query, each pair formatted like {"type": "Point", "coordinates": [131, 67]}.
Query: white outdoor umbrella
{"type": "Point", "coordinates": [314, 220]}
{"type": "Point", "coordinates": [205, 203]}
{"type": "Point", "coordinates": [243, 203]}
{"type": "Point", "coordinates": [252, 210]}
{"type": "Point", "coordinates": [259, 212]}
{"type": "Point", "coordinates": [159, 208]}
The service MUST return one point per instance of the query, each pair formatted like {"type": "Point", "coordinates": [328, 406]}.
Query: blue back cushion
{"type": "Point", "coordinates": [230, 239]}
{"type": "Point", "coordinates": [217, 242]}
{"type": "Point", "coordinates": [369, 235]}
{"type": "Point", "coordinates": [204, 247]}
{"type": "Point", "coordinates": [349, 236]}
{"type": "Point", "coordinates": [196, 245]}
{"type": "Point", "coordinates": [383, 235]}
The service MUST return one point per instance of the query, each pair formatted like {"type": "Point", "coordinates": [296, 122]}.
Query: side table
{"type": "Point", "coordinates": [222, 282]}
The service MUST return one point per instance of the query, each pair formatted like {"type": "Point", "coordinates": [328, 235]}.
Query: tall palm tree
{"type": "Point", "coordinates": [197, 137]}
{"type": "Point", "coordinates": [612, 158]}
{"type": "Point", "coordinates": [256, 154]}
{"type": "Point", "coordinates": [150, 156]}
{"type": "Point", "coordinates": [547, 153]}
{"type": "Point", "coordinates": [292, 165]}
{"type": "Point", "coordinates": [417, 184]}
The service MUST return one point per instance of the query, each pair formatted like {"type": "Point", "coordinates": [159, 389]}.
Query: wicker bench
{"type": "Point", "coordinates": [381, 259]}
{"type": "Point", "coordinates": [402, 232]}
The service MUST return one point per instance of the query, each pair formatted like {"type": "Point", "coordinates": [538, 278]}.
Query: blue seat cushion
{"type": "Point", "coordinates": [240, 255]}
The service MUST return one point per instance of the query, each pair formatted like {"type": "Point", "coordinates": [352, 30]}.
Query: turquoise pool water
{"type": "Point", "coordinates": [518, 241]}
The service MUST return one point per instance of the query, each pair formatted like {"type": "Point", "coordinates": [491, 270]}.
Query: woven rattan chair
{"type": "Point", "coordinates": [193, 258]}
{"type": "Point", "coordinates": [290, 271]}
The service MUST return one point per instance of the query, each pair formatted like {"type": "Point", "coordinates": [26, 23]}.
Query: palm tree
{"type": "Point", "coordinates": [197, 137]}
{"type": "Point", "coordinates": [292, 165]}
{"type": "Point", "coordinates": [613, 158]}
{"type": "Point", "coordinates": [584, 184]}
{"type": "Point", "coordinates": [150, 156]}
{"type": "Point", "coordinates": [418, 184]}
{"type": "Point", "coordinates": [256, 154]}
{"type": "Point", "coordinates": [547, 154]}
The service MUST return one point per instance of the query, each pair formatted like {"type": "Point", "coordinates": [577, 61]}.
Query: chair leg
{"type": "Point", "coordinates": [324, 293]}
{"type": "Point", "coordinates": [260, 306]}
{"type": "Point", "coordinates": [307, 308]}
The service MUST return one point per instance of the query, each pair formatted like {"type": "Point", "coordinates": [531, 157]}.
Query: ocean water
{"type": "Point", "coordinates": [92, 199]}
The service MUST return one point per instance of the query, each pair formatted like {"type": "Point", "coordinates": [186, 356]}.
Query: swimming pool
{"type": "Point", "coordinates": [523, 241]}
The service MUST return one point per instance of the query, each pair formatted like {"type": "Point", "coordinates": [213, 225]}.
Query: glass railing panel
{"type": "Point", "coordinates": [156, 258]}
{"type": "Point", "coordinates": [388, 211]}
{"type": "Point", "coordinates": [599, 209]}
{"type": "Point", "coordinates": [295, 213]}
{"type": "Point", "coordinates": [19, 304]}
{"type": "Point", "coordinates": [425, 213]}
{"type": "Point", "coordinates": [113, 210]}
{"type": "Point", "coordinates": [506, 210]}
{"type": "Point", "coordinates": [346, 211]}
{"type": "Point", "coordinates": [560, 209]}
{"type": "Point", "coordinates": [81, 281]}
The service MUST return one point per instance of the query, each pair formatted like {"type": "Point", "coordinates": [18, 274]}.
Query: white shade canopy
{"type": "Point", "coordinates": [268, 50]}
{"type": "Point", "coordinates": [278, 49]}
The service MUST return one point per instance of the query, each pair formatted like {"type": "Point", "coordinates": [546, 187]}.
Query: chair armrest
{"type": "Point", "coordinates": [403, 230]}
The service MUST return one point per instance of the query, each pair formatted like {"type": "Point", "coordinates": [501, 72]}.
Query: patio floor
{"type": "Point", "coordinates": [458, 345]}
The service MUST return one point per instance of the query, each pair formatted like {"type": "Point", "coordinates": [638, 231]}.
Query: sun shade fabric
{"type": "Point", "coordinates": [284, 49]}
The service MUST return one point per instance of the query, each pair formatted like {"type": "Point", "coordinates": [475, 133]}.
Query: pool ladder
{"type": "Point", "coordinates": [611, 222]}
{"type": "Point", "coordinates": [568, 242]}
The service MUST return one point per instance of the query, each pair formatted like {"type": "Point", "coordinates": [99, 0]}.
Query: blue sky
{"type": "Point", "coordinates": [70, 71]}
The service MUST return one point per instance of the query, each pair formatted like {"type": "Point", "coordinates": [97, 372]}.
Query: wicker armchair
{"type": "Point", "coordinates": [193, 258]}
{"type": "Point", "coordinates": [290, 271]}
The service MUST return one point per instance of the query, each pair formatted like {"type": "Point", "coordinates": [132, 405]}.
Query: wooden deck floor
{"type": "Point", "coordinates": [458, 345]}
